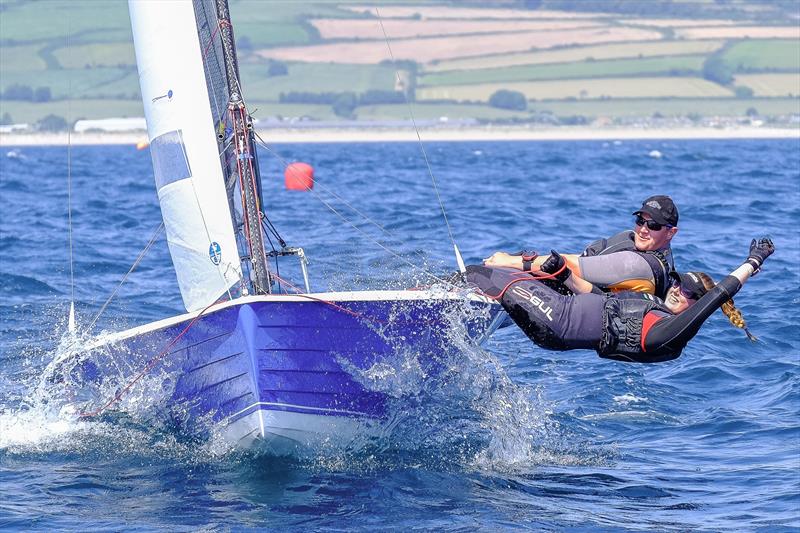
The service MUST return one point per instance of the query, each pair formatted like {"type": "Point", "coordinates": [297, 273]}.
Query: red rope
{"type": "Point", "coordinates": [327, 302]}
{"type": "Point", "coordinates": [550, 276]}
{"type": "Point", "coordinates": [150, 365]}
{"type": "Point", "coordinates": [211, 41]}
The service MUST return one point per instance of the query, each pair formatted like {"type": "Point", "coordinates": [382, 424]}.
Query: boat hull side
{"type": "Point", "coordinates": [282, 372]}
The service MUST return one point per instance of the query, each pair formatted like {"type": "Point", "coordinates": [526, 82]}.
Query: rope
{"type": "Point", "coordinates": [150, 365]}
{"type": "Point", "coordinates": [165, 351]}
{"type": "Point", "coordinates": [352, 225]}
{"type": "Point", "coordinates": [69, 175]}
{"type": "Point", "coordinates": [327, 302]}
{"type": "Point", "coordinates": [285, 164]}
{"type": "Point", "coordinates": [419, 139]}
{"type": "Point", "coordinates": [144, 251]}
{"type": "Point", "coordinates": [220, 23]}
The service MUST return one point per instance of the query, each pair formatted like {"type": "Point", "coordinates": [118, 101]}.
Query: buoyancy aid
{"type": "Point", "coordinates": [623, 320]}
{"type": "Point", "coordinates": [624, 241]}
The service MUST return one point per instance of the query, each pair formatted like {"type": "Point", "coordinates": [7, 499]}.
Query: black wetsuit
{"type": "Point", "coordinates": [558, 322]}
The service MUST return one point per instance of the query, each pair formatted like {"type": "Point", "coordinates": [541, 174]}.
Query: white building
{"type": "Point", "coordinates": [111, 125]}
{"type": "Point", "coordinates": [11, 128]}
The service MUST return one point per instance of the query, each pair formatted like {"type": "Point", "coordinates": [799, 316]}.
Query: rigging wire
{"type": "Point", "coordinates": [397, 255]}
{"type": "Point", "coordinates": [263, 144]}
{"type": "Point", "coordinates": [285, 164]}
{"type": "Point", "coordinates": [138, 260]}
{"type": "Point", "coordinates": [354, 226]}
{"type": "Point", "coordinates": [459, 260]}
{"type": "Point", "coordinates": [347, 204]}
{"type": "Point", "coordinates": [71, 320]}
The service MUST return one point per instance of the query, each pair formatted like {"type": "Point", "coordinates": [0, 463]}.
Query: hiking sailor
{"type": "Point", "coordinates": [634, 260]}
{"type": "Point", "coordinates": [626, 326]}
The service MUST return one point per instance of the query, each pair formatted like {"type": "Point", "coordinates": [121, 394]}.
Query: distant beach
{"type": "Point", "coordinates": [475, 133]}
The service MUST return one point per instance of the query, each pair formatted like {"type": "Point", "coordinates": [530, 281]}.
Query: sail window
{"type": "Point", "coordinates": [170, 163]}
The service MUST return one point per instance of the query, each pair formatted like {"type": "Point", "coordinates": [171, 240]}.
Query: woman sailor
{"type": "Point", "coordinates": [626, 326]}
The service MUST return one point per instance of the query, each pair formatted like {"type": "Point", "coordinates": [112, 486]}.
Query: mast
{"type": "Point", "coordinates": [235, 136]}
{"type": "Point", "coordinates": [246, 162]}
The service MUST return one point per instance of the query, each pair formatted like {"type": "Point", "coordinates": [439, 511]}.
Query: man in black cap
{"type": "Point", "coordinates": [634, 260]}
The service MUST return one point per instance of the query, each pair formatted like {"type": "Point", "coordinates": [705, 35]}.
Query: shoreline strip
{"type": "Point", "coordinates": [488, 133]}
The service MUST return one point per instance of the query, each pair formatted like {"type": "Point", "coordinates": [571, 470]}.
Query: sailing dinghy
{"type": "Point", "coordinates": [285, 372]}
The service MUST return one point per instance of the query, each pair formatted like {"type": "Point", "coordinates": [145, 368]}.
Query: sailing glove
{"type": "Point", "coordinates": [556, 264]}
{"type": "Point", "coordinates": [759, 251]}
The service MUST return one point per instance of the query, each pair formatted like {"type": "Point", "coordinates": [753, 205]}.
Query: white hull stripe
{"type": "Point", "coordinates": [299, 407]}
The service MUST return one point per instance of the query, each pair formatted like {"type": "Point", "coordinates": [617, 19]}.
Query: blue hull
{"type": "Point", "coordinates": [294, 371]}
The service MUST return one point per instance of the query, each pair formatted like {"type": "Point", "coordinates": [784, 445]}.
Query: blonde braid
{"type": "Point", "coordinates": [728, 308]}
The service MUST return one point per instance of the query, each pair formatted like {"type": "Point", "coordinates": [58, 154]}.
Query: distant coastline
{"type": "Point", "coordinates": [473, 133]}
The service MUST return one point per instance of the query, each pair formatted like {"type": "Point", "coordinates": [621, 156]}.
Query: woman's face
{"type": "Point", "coordinates": [676, 301]}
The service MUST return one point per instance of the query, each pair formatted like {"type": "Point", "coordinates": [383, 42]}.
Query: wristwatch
{"type": "Point", "coordinates": [527, 261]}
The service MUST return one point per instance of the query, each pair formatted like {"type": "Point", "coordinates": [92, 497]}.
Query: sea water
{"type": "Point", "coordinates": [518, 437]}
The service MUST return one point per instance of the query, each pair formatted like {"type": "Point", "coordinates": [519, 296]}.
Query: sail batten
{"type": "Point", "coordinates": [184, 147]}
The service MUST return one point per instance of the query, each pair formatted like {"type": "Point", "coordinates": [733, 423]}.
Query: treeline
{"type": "Point", "coordinates": [343, 103]}
{"type": "Point", "coordinates": [48, 123]}
{"type": "Point", "coordinates": [26, 93]}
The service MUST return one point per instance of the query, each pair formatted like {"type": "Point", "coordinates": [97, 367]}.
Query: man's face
{"type": "Point", "coordinates": [647, 239]}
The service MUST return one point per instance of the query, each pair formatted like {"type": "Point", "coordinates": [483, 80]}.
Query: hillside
{"type": "Point", "coordinates": [518, 61]}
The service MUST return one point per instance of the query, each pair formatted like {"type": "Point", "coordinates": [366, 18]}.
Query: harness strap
{"type": "Point", "coordinates": [649, 320]}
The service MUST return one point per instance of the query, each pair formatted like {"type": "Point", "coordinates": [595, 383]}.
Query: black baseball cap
{"type": "Point", "coordinates": [661, 208]}
{"type": "Point", "coordinates": [691, 284]}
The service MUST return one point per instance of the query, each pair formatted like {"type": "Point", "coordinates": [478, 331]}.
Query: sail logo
{"type": "Point", "coordinates": [215, 252]}
{"type": "Point", "coordinates": [167, 96]}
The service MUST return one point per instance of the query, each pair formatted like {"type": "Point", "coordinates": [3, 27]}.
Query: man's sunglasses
{"type": "Point", "coordinates": [652, 225]}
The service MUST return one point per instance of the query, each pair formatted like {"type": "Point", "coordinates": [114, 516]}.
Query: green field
{"type": "Point", "coordinates": [427, 111]}
{"type": "Point", "coordinates": [676, 87]}
{"type": "Point", "coordinates": [263, 34]}
{"type": "Point", "coordinates": [55, 20]}
{"type": "Point", "coordinates": [629, 107]}
{"type": "Point", "coordinates": [26, 112]}
{"type": "Point", "coordinates": [264, 110]}
{"type": "Point", "coordinates": [79, 83]}
{"type": "Point", "coordinates": [633, 107]}
{"type": "Point", "coordinates": [21, 58]}
{"type": "Point", "coordinates": [779, 54]}
{"type": "Point", "coordinates": [82, 50]}
{"type": "Point", "coordinates": [580, 53]}
{"type": "Point", "coordinates": [315, 77]}
{"type": "Point", "coordinates": [271, 11]}
{"type": "Point", "coordinates": [771, 84]}
{"type": "Point", "coordinates": [96, 55]}
{"type": "Point", "coordinates": [578, 69]}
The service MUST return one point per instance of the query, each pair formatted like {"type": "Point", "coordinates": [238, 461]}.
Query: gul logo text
{"type": "Point", "coordinates": [535, 300]}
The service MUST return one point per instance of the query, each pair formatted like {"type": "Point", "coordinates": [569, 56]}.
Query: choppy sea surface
{"type": "Point", "coordinates": [522, 439]}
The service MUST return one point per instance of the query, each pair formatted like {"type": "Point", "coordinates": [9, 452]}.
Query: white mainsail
{"type": "Point", "coordinates": [183, 145]}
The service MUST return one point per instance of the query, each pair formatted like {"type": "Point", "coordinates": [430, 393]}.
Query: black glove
{"type": "Point", "coordinates": [555, 263]}
{"type": "Point", "coordinates": [759, 251]}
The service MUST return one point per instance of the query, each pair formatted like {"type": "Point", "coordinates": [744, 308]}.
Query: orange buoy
{"type": "Point", "coordinates": [141, 145]}
{"type": "Point", "coordinates": [299, 176]}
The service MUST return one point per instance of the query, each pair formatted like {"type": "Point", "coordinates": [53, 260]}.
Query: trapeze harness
{"type": "Point", "coordinates": [606, 271]}
{"type": "Point", "coordinates": [627, 326]}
